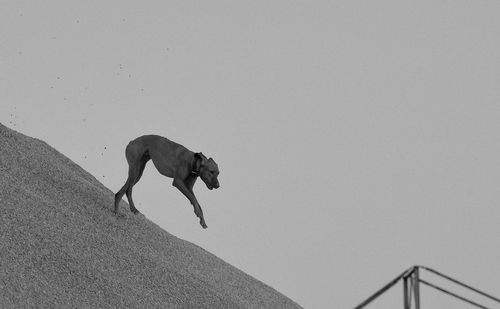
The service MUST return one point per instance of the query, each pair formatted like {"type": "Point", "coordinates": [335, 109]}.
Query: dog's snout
{"type": "Point", "coordinates": [216, 186]}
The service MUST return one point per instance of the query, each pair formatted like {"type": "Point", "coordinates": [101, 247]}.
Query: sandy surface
{"type": "Point", "coordinates": [62, 247]}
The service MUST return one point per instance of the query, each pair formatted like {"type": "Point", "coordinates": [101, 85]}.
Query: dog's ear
{"type": "Point", "coordinates": [200, 157]}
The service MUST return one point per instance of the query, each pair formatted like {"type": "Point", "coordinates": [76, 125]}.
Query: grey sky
{"type": "Point", "coordinates": [354, 138]}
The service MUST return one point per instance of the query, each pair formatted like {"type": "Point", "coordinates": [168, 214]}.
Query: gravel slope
{"type": "Point", "coordinates": [61, 246]}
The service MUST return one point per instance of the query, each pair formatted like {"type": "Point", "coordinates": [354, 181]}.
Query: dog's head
{"type": "Point", "coordinates": [208, 171]}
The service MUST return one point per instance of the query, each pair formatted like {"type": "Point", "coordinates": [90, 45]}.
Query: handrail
{"type": "Point", "coordinates": [409, 272]}
{"type": "Point", "coordinates": [453, 294]}
{"type": "Point", "coordinates": [460, 283]}
{"type": "Point", "coordinates": [385, 288]}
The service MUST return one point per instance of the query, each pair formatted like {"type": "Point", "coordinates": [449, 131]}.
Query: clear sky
{"type": "Point", "coordinates": [354, 138]}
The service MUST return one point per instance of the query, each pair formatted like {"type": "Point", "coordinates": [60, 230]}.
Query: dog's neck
{"type": "Point", "coordinates": [196, 165]}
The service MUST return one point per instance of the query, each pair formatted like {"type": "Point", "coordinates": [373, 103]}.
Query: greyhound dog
{"type": "Point", "coordinates": [172, 160]}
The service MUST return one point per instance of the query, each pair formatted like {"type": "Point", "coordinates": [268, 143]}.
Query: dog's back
{"type": "Point", "coordinates": [154, 143]}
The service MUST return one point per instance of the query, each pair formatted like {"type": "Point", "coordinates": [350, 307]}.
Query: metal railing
{"type": "Point", "coordinates": [411, 289]}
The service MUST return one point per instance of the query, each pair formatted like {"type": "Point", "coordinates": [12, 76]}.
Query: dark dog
{"type": "Point", "coordinates": [172, 160]}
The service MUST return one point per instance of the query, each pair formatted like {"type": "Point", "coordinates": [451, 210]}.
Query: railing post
{"type": "Point", "coordinates": [406, 296]}
{"type": "Point", "coordinates": [411, 288]}
{"type": "Point", "coordinates": [416, 287]}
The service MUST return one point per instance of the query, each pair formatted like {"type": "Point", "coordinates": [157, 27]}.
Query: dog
{"type": "Point", "coordinates": [171, 160]}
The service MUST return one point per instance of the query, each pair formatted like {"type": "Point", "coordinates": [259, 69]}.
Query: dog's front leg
{"type": "Point", "coordinates": [179, 184]}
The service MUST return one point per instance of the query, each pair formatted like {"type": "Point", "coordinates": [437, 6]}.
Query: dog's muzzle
{"type": "Point", "coordinates": [215, 186]}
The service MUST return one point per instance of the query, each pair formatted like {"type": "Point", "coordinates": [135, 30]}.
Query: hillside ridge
{"type": "Point", "coordinates": [61, 245]}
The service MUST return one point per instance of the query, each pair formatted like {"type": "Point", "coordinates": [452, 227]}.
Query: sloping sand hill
{"type": "Point", "coordinates": [62, 247]}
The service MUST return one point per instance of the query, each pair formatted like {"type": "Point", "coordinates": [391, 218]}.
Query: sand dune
{"type": "Point", "coordinates": [61, 246]}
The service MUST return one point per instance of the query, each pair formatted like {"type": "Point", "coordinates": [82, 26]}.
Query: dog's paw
{"type": "Point", "coordinates": [119, 214]}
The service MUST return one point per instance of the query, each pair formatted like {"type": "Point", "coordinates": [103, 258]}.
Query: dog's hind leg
{"type": "Point", "coordinates": [136, 168]}
{"type": "Point", "coordinates": [135, 174]}
{"type": "Point", "coordinates": [119, 195]}
{"type": "Point", "coordinates": [137, 156]}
